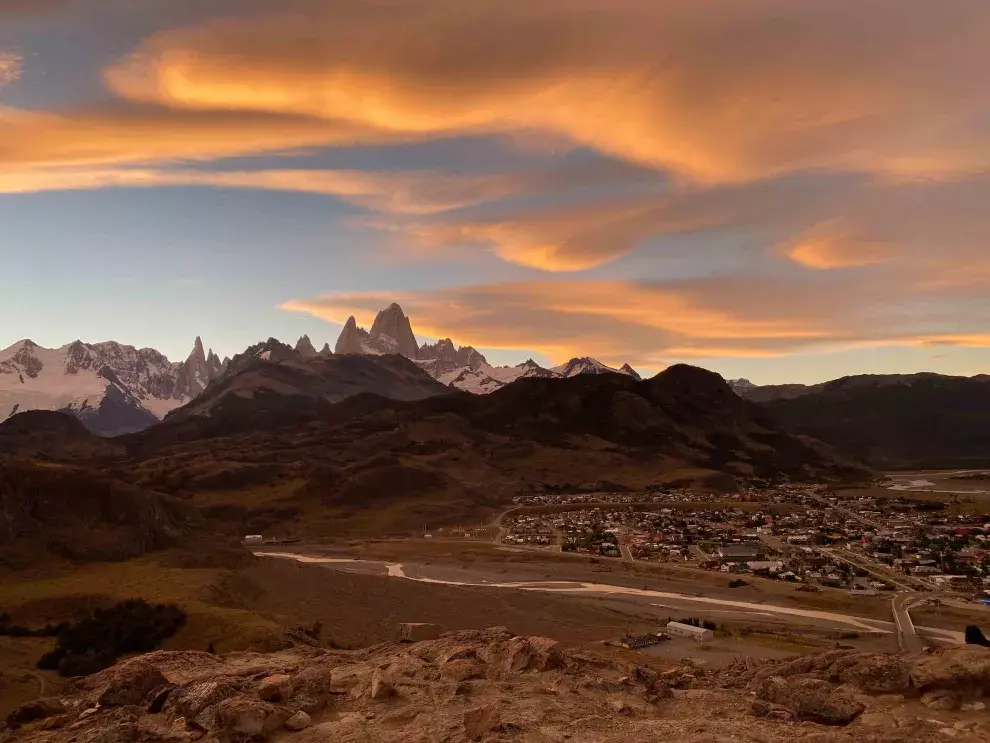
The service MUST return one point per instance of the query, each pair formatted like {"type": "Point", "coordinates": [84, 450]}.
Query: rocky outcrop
{"type": "Point", "coordinates": [808, 699]}
{"type": "Point", "coordinates": [964, 669]}
{"type": "Point", "coordinates": [489, 685]}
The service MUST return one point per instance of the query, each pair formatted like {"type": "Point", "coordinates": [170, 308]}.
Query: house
{"type": "Point", "coordinates": [698, 634]}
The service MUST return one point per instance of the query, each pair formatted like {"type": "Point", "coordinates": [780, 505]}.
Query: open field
{"type": "Point", "coordinates": [964, 502]}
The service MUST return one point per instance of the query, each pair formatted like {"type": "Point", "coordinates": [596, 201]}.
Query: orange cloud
{"type": "Point", "coordinates": [408, 193]}
{"type": "Point", "coordinates": [834, 244]}
{"type": "Point", "coordinates": [653, 324]}
{"type": "Point", "coordinates": [116, 135]}
{"type": "Point", "coordinates": [646, 324]}
{"type": "Point", "coordinates": [720, 90]}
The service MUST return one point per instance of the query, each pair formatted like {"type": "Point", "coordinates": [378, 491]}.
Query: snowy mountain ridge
{"type": "Point", "coordinates": [114, 388]}
{"type": "Point", "coordinates": [462, 367]}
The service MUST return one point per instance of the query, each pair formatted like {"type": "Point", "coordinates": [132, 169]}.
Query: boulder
{"type": "Point", "coordinates": [277, 688]}
{"type": "Point", "coordinates": [299, 721]}
{"type": "Point", "coordinates": [39, 709]}
{"type": "Point", "coordinates": [312, 687]}
{"type": "Point", "coordinates": [942, 699]}
{"type": "Point", "coordinates": [419, 631]}
{"type": "Point", "coordinates": [481, 720]}
{"type": "Point", "coordinates": [520, 654]}
{"type": "Point", "coordinates": [811, 700]}
{"type": "Point", "coordinates": [131, 682]}
{"type": "Point", "coordinates": [953, 668]}
{"type": "Point", "coordinates": [246, 717]}
{"type": "Point", "coordinates": [381, 688]}
{"type": "Point", "coordinates": [876, 673]}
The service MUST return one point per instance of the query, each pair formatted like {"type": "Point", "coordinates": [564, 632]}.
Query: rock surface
{"type": "Point", "coordinates": [489, 685]}
{"type": "Point", "coordinates": [130, 683]}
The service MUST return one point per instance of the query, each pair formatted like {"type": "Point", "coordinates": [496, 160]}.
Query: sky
{"type": "Point", "coordinates": [778, 190]}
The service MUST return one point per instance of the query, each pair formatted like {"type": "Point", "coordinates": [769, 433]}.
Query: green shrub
{"type": "Point", "coordinates": [94, 643]}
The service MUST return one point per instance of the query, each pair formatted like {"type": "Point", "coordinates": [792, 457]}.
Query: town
{"type": "Point", "coordinates": [808, 535]}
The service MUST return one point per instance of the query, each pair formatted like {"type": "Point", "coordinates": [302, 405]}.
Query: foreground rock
{"type": "Point", "coordinates": [490, 686]}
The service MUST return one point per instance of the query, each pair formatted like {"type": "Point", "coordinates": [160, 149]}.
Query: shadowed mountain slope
{"type": "Point", "coordinates": [909, 421]}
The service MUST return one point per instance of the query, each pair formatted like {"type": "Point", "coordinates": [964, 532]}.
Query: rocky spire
{"type": "Point", "coordinates": [196, 371]}
{"type": "Point", "coordinates": [325, 351]}
{"type": "Point", "coordinates": [304, 347]}
{"type": "Point", "coordinates": [214, 365]}
{"type": "Point", "coordinates": [392, 324]}
{"type": "Point", "coordinates": [352, 338]}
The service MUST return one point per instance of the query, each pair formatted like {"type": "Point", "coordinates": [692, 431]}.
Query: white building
{"type": "Point", "coordinates": [698, 634]}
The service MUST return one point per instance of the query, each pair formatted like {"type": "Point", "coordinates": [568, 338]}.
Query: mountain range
{"type": "Point", "coordinates": [113, 388]}
{"type": "Point", "coordinates": [462, 367]}
{"type": "Point", "coordinates": [324, 447]}
{"type": "Point", "coordinates": [883, 421]}
{"type": "Point", "coordinates": [117, 389]}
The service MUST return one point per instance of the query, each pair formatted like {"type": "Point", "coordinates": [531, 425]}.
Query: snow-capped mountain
{"type": "Point", "coordinates": [111, 387]}
{"type": "Point", "coordinates": [741, 386]}
{"type": "Point", "coordinates": [588, 365]}
{"type": "Point", "coordinates": [464, 367]}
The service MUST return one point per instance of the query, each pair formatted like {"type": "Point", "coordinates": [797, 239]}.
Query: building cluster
{"type": "Point", "coordinates": [801, 534]}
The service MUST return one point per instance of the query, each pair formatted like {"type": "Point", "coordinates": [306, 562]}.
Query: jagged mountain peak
{"type": "Point", "coordinates": [392, 332]}
{"type": "Point", "coordinates": [352, 339]}
{"type": "Point", "coordinates": [304, 347]}
{"type": "Point", "coordinates": [325, 351]}
{"type": "Point", "coordinates": [626, 369]}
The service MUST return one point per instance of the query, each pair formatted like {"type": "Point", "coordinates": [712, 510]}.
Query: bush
{"type": "Point", "coordinates": [16, 630]}
{"type": "Point", "coordinates": [94, 643]}
{"type": "Point", "coordinates": [737, 583]}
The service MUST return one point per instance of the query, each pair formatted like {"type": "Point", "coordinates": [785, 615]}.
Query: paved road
{"type": "Point", "coordinates": [907, 635]}
{"type": "Point", "coordinates": [700, 553]}
{"type": "Point", "coordinates": [626, 551]}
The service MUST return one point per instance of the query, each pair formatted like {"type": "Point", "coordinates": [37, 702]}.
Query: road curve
{"type": "Point", "coordinates": [907, 635]}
